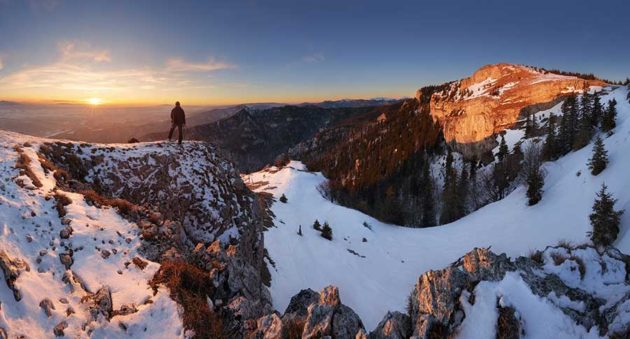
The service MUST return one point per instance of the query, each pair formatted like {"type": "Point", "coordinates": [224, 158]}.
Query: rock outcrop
{"type": "Point", "coordinates": [491, 100]}
{"type": "Point", "coordinates": [587, 286]}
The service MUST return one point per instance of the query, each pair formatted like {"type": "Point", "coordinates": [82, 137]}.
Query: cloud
{"type": "Point", "coordinates": [80, 69]}
{"type": "Point", "coordinates": [313, 58]}
{"type": "Point", "coordinates": [180, 65]}
{"type": "Point", "coordinates": [1, 64]}
{"type": "Point", "coordinates": [76, 51]}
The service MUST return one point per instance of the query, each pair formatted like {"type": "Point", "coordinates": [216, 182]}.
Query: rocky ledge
{"type": "Point", "coordinates": [578, 290]}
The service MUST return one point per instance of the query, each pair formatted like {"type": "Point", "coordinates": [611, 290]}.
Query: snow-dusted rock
{"type": "Point", "coordinates": [329, 317]}
{"type": "Point", "coordinates": [395, 325]}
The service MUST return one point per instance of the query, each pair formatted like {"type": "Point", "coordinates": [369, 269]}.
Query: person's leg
{"type": "Point", "coordinates": [170, 134]}
{"type": "Point", "coordinates": [181, 135]}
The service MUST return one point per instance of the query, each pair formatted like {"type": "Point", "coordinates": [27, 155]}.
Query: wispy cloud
{"type": "Point", "coordinates": [313, 58]}
{"type": "Point", "coordinates": [78, 51]}
{"type": "Point", "coordinates": [181, 65]}
{"type": "Point", "coordinates": [1, 64]}
{"type": "Point", "coordinates": [81, 69]}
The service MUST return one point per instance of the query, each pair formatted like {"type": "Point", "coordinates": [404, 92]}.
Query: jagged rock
{"type": "Point", "coordinates": [12, 268]}
{"type": "Point", "coordinates": [65, 232]}
{"type": "Point", "coordinates": [329, 317]}
{"type": "Point", "coordinates": [269, 327]}
{"type": "Point", "coordinates": [58, 330]}
{"type": "Point", "coordinates": [395, 325]}
{"type": "Point", "coordinates": [298, 306]}
{"type": "Point", "coordinates": [48, 306]}
{"type": "Point", "coordinates": [66, 260]}
{"type": "Point", "coordinates": [100, 303]}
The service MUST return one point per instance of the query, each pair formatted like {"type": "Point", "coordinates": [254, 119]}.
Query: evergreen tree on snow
{"type": "Point", "coordinates": [428, 203]}
{"type": "Point", "coordinates": [450, 203]}
{"type": "Point", "coordinates": [503, 149]}
{"type": "Point", "coordinates": [604, 219]}
{"type": "Point", "coordinates": [528, 126]}
{"type": "Point", "coordinates": [584, 133]}
{"type": "Point", "coordinates": [599, 160]}
{"type": "Point", "coordinates": [568, 125]}
{"type": "Point", "coordinates": [317, 225]}
{"type": "Point", "coordinates": [327, 232]}
{"type": "Point", "coordinates": [550, 146]}
{"type": "Point", "coordinates": [610, 115]}
{"type": "Point", "coordinates": [597, 111]}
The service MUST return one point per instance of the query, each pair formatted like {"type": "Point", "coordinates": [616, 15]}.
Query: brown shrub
{"type": "Point", "coordinates": [23, 164]}
{"type": "Point", "coordinates": [558, 258]}
{"type": "Point", "coordinates": [537, 257]}
{"type": "Point", "coordinates": [61, 202]}
{"type": "Point", "coordinates": [190, 287]}
{"type": "Point", "coordinates": [581, 266]}
{"type": "Point", "coordinates": [508, 327]}
{"type": "Point", "coordinates": [93, 197]}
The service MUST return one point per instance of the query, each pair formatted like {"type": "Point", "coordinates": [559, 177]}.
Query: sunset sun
{"type": "Point", "coordinates": [94, 101]}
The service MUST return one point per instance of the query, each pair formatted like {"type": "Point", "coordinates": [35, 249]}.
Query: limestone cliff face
{"type": "Point", "coordinates": [491, 100]}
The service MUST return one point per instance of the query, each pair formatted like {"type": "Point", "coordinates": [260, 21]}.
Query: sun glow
{"type": "Point", "coordinates": [94, 101]}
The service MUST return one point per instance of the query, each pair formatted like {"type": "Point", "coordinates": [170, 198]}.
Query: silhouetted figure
{"type": "Point", "coordinates": [178, 119]}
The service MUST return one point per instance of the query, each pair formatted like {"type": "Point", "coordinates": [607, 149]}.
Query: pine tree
{"type": "Point", "coordinates": [568, 125]}
{"type": "Point", "coordinates": [599, 160]}
{"type": "Point", "coordinates": [283, 199]}
{"type": "Point", "coordinates": [604, 219]}
{"type": "Point", "coordinates": [550, 147]}
{"type": "Point", "coordinates": [535, 183]}
{"type": "Point", "coordinates": [300, 230]}
{"type": "Point", "coordinates": [317, 225]}
{"type": "Point", "coordinates": [608, 121]}
{"type": "Point", "coordinates": [585, 132]}
{"type": "Point", "coordinates": [503, 148]}
{"type": "Point", "coordinates": [597, 112]}
{"type": "Point", "coordinates": [528, 126]}
{"type": "Point", "coordinates": [327, 232]}
{"type": "Point", "coordinates": [449, 193]}
{"type": "Point", "coordinates": [428, 203]}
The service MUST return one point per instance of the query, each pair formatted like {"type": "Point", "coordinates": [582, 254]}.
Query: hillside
{"type": "Point", "coordinates": [110, 241]}
{"type": "Point", "coordinates": [375, 265]}
{"type": "Point", "coordinates": [254, 138]}
{"type": "Point", "coordinates": [377, 166]}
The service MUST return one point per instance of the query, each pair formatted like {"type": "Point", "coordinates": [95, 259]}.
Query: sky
{"type": "Point", "coordinates": [223, 52]}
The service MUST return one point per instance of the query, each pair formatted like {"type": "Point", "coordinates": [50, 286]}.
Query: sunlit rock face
{"type": "Point", "coordinates": [491, 100]}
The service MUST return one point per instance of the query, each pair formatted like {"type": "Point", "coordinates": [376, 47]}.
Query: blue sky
{"type": "Point", "coordinates": [242, 51]}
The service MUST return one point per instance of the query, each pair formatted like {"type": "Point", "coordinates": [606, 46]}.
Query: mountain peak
{"type": "Point", "coordinates": [494, 97]}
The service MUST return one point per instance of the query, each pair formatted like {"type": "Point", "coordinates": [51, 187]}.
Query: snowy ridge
{"type": "Point", "coordinates": [102, 246]}
{"type": "Point", "coordinates": [377, 274]}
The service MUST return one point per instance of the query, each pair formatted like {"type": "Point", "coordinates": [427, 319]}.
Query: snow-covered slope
{"type": "Point", "coordinates": [375, 265]}
{"type": "Point", "coordinates": [101, 247]}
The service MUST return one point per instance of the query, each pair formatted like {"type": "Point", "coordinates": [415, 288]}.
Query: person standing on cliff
{"type": "Point", "coordinates": [178, 119]}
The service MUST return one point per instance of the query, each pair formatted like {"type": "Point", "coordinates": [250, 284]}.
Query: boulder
{"type": "Point", "coordinates": [329, 317]}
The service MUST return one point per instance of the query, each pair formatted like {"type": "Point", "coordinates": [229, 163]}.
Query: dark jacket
{"type": "Point", "coordinates": [178, 117]}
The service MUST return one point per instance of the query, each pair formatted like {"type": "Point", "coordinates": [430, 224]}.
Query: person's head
{"type": "Point", "coordinates": [176, 103]}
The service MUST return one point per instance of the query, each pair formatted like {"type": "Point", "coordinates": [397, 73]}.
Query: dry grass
{"type": "Point", "coordinates": [190, 287]}
{"type": "Point", "coordinates": [61, 202]}
{"type": "Point", "coordinates": [124, 207]}
{"type": "Point", "coordinates": [558, 259]}
{"type": "Point", "coordinates": [581, 266]}
{"type": "Point", "coordinates": [537, 257]}
{"type": "Point", "coordinates": [23, 164]}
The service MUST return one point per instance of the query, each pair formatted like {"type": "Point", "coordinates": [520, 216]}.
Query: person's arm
{"type": "Point", "coordinates": [184, 115]}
